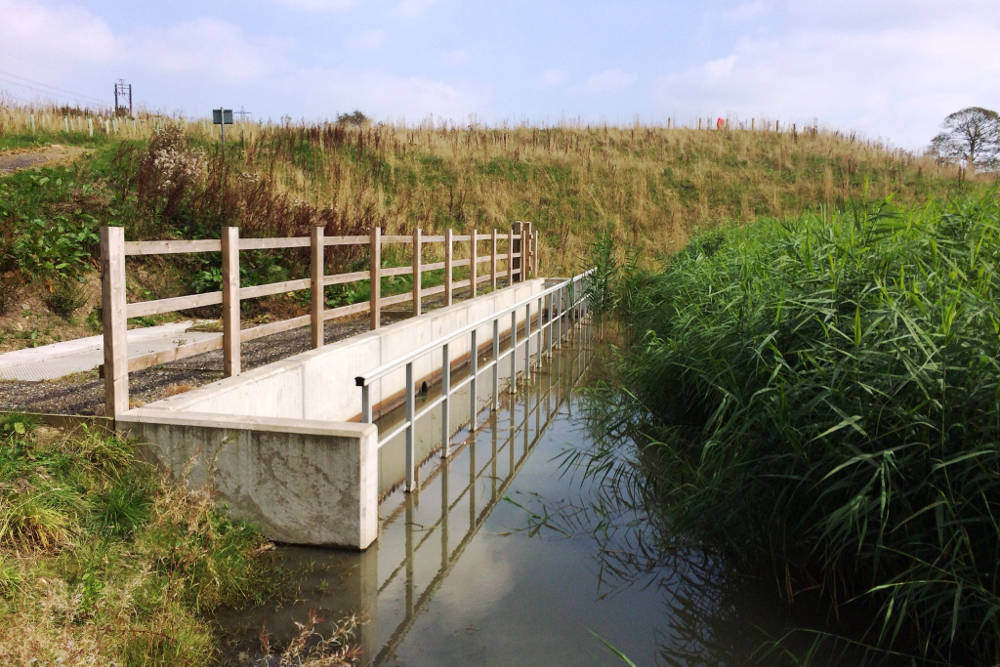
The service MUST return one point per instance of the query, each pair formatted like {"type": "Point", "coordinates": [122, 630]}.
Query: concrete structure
{"type": "Point", "coordinates": [275, 443]}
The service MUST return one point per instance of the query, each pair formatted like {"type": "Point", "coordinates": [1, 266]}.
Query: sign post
{"type": "Point", "coordinates": [222, 117]}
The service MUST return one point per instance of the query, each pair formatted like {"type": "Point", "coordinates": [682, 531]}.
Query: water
{"type": "Point", "coordinates": [502, 558]}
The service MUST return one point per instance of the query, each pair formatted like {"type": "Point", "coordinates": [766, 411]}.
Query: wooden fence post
{"type": "Point", "coordinates": [528, 257]}
{"type": "Point", "coordinates": [510, 256]}
{"type": "Point", "coordinates": [113, 304]}
{"type": "Point", "coordinates": [416, 271]}
{"type": "Point", "coordinates": [493, 259]}
{"type": "Point", "coordinates": [519, 244]}
{"type": "Point", "coordinates": [448, 247]}
{"type": "Point", "coordinates": [473, 268]}
{"type": "Point", "coordinates": [231, 300]}
{"type": "Point", "coordinates": [538, 252]}
{"type": "Point", "coordinates": [317, 257]}
{"type": "Point", "coordinates": [375, 290]}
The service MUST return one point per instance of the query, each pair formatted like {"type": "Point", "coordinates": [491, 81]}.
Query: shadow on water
{"type": "Point", "coordinates": [500, 557]}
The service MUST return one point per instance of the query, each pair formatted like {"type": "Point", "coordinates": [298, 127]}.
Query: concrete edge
{"type": "Point", "coordinates": [248, 423]}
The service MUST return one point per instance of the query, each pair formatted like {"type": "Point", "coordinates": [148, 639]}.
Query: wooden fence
{"type": "Point", "coordinates": [521, 242]}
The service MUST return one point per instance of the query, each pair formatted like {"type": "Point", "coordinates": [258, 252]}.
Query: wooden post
{"type": "Point", "coordinates": [775, 126]}
{"type": "Point", "coordinates": [113, 302]}
{"type": "Point", "coordinates": [528, 257]}
{"type": "Point", "coordinates": [668, 122]}
{"type": "Point", "coordinates": [753, 122]}
{"type": "Point", "coordinates": [316, 257]}
{"type": "Point", "coordinates": [535, 269]}
{"type": "Point", "coordinates": [231, 300]}
{"type": "Point", "coordinates": [375, 290]}
{"type": "Point", "coordinates": [493, 259]}
{"type": "Point", "coordinates": [510, 258]}
{"type": "Point", "coordinates": [416, 271]}
{"type": "Point", "coordinates": [448, 280]}
{"type": "Point", "coordinates": [519, 244]}
{"type": "Point", "coordinates": [90, 126]}
{"type": "Point", "coordinates": [699, 123]}
{"type": "Point", "coordinates": [473, 256]}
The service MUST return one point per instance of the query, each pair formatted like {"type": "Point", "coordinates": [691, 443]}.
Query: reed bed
{"type": "Point", "coordinates": [823, 394]}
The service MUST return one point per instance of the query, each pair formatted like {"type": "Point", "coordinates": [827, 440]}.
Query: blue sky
{"type": "Point", "coordinates": [890, 70]}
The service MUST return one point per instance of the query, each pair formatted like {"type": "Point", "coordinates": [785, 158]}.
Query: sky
{"type": "Point", "coordinates": [890, 70]}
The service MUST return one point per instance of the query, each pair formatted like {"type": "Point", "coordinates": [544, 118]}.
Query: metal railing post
{"type": "Point", "coordinates": [445, 402]}
{"type": "Point", "coordinates": [496, 363]}
{"type": "Point", "coordinates": [366, 405]}
{"type": "Point", "coordinates": [527, 341]}
{"type": "Point", "coordinates": [513, 351]}
{"type": "Point", "coordinates": [473, 373]}
{"type": "Point", "coordinates": [410, 477]}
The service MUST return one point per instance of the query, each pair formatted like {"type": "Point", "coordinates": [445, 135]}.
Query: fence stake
{"type": "Point", "coordinates": [473, 375]}
{"type": "Point", "coordinates": [113, 302]}
{"type": "Point", "coordinates": [473, 255]}
{"type": "Point", "coordinates": [231, 300]}
{"type": "Point", "coordinates": [316, 274]}
{"type": "Point", "coordinates": [446, 398]}
{"type": "Point", "coordinates": [416, 271]}
{"type": "Point", "coordinates": [493, 259]}
{"type": "Point", "coordinates": [526, 244]}
{"type": "Point", "coordinates": [409, 428]}
{"type": "Point", "coordinates": [519, 243]}
{"type": "Point", "coordinates": [375, 290]}
{"type": "Point", "coordinates": [448, 256]}
{"type": "Point", "coordinates": [510, 257]}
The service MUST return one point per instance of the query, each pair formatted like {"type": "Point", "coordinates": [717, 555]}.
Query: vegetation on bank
{"type": "Point", "coordinates": [164, 179]}
{"type": "Point", "coordinates": [103, 562]}
{"type": "Point", "coordinates": [822, 394]}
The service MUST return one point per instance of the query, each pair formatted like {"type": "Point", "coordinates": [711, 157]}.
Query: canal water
{"type": "Point", "coordinates": [506, 557]}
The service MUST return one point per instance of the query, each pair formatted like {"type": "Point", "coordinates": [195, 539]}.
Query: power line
{"type": "Point", "coordinates": [39, 86]}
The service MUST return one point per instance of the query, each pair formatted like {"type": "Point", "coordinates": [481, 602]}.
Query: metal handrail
{"type": "Point", "coordinates": [563, 307]}
{"type": "Point", "coordinates": [386, 368]}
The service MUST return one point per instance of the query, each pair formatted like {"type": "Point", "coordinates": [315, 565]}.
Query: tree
{"type": "Point", "coordinates": [971, 135]}
{"type": "Point", "coordinates": [356, 118]}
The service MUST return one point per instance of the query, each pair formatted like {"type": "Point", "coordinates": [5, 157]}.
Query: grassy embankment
{"type": "Point", "coordinates": [823, 395]}
{"type": "Point", "coordinates": [101, 561]}
{"type": "Point", "coordinates": [104, 562]}
{"type": "Point", "coordinates": [653, 187]}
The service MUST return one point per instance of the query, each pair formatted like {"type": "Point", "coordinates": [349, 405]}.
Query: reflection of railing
{"type": "Point", "coordinates": [566, 304]}
{"type": "Point", "coordinates": [414, 602]}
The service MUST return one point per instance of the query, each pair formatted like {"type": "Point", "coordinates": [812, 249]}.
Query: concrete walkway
{"type": "Point", "coordinates": [84, 354]}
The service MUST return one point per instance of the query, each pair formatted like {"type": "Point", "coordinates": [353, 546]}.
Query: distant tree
{"type": "Point", "coordinates": [972, 136]}
{"type": "Point", "coordinates": [355, 118]}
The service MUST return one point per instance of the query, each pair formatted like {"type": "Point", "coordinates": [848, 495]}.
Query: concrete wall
{"type": "Point", "coordinates": [319, 384]}
{"type": "Point", "coordinates": [301, 482]}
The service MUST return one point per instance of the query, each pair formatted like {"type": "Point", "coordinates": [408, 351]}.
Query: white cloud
{"type": "Point", "coordinates": [609, 81]}
{"type": "Point", "coordinates": [880, 73]}
{"type": "Point", "coordinates": [411, 8]}
{"type": "Point", "coordinates": [369, 39]}
{"type": "Point", "coordinates": [551, 77]}
{"type": "Point", "coordinates": [319, 5]}
{"type": "Point", "coordinates": [212, 49]}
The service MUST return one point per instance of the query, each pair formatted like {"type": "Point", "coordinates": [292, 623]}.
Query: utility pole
{"type": "Point", "coordinates": [242, 115]}
{"type": "Point", "coordinates": [123, 90]}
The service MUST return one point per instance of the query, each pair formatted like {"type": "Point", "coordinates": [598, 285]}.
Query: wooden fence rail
{"type": "Point", "coordinates": [522, 251]}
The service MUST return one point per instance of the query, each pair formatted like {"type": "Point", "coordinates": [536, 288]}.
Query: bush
{"type": "Point", "coordinates": [826, 396]}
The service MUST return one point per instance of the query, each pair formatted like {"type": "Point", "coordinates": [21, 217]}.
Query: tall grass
{"type": "Point", "coordinates": [823, 394]}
